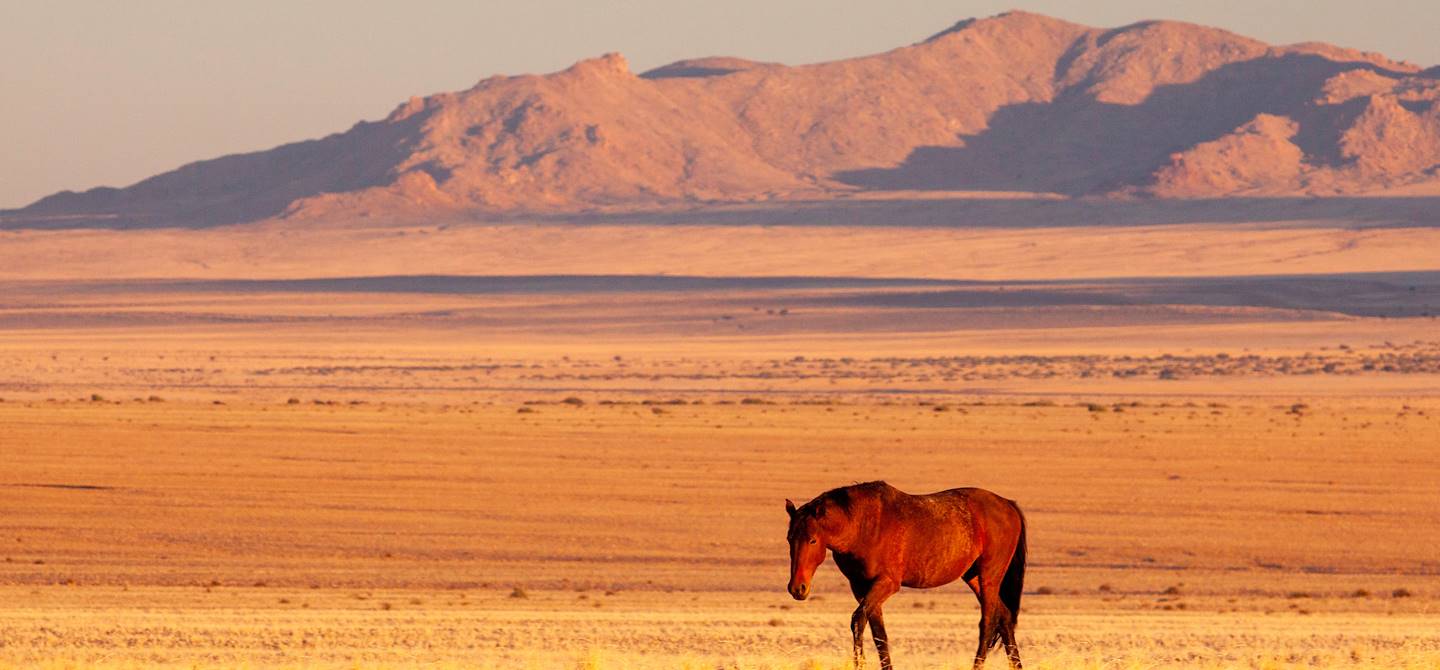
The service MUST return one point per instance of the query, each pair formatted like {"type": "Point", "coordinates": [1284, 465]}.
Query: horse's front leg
{"type": "Point", "coordinates": [870, 605]}
{"type": "Point", "coordinates": [857, 628]}
{"type": "Point", "coordinates": [882, 641]}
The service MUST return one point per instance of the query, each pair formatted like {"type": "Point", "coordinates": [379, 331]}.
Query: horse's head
{"type": "Point", "coordinates": [807, 539]}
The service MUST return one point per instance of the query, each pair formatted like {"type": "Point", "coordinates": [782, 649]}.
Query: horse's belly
{"type": "Point", "coordinates": [939, 563]}
{"type": "Point", "coordinates": [932, 580]}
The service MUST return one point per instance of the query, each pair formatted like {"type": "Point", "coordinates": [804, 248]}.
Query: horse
{"type": "Point", "coordinates": [883, 538]}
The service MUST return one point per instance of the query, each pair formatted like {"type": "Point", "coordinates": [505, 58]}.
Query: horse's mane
{"type": "Point", "coordinates": [844, 497]}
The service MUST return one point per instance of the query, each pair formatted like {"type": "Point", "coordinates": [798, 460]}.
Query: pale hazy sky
{"type": "Point", "coordinates": [107, 93]}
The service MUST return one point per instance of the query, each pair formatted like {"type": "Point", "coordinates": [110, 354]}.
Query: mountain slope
{"type": "Point", "coordinates": [1017, 102]}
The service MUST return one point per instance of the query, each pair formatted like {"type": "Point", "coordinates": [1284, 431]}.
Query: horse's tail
{"type": "Point", "coordinates": [1014, 581]}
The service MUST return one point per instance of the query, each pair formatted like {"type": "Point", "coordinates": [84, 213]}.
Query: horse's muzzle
{"type": "Point", "coordinates": [800, 591]}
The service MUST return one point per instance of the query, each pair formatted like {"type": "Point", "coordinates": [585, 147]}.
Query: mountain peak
{"type": "Point", "coordinates": [607, 65]}
{"type": "Point", "coordinates": [1014, 20]}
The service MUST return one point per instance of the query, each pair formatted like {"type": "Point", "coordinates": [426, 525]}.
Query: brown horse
{"type": "Point", "coordinates": [884, 538]}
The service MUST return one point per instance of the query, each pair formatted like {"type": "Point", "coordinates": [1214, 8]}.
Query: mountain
{"type": "Point", "coordinates": [1014, 103]}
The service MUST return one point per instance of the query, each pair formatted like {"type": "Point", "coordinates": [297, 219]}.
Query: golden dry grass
{"type": "Point", "coordinates": [280, 628]}
{"type": "Point", "coordinates": [394, 534]}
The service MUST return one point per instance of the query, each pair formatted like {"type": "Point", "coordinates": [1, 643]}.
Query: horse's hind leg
{"type": "Point", "coordinates": [1007, 636]}
{"type": "Point", "coordinates": [988, 632]}
{"type": "Point", "coordinates": [995, 619]}
{"type": "Point", "coordinates": [972, 578]}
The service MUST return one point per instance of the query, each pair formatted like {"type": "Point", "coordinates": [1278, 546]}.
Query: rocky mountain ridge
{"type": "Point", "coordinates": [1014, 103]}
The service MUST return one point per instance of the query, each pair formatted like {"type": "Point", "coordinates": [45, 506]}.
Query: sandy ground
{"type": "Point", "coordinates": [816, 245]}
{"type": "Point", "coordinates": [560, 534]}
{"type": "Point", "coordinates": [592, 629]}
{"type": "Point", "coordinates": [568, 446]}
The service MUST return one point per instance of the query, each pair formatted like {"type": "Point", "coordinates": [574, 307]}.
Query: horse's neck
{"type": "Point", "coordinates": [862, 529]}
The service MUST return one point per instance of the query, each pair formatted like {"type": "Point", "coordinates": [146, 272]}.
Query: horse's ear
{"type": "Point", "coordinates": [789, 507]}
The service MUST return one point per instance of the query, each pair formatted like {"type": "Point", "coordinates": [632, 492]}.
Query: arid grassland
{"type": "Point", "coordinates": [595, 479]}
{"type": "Point", "coordinates": [1237, 533]}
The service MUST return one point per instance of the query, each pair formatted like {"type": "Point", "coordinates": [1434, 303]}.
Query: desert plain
{"type": "Point", "coordinates": [1224, 465]}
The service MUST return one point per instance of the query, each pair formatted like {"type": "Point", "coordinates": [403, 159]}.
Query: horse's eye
{"type": "Point", "coordinates": [812, 540]}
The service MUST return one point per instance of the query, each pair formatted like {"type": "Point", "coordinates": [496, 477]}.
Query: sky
{"type": "Point", "coordinates": [99, 93]}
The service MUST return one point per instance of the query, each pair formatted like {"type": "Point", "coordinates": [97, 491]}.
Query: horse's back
{"type": "Point", "coordinates": [979, 496]}
{"type": "Point", "coordinates": [988, 510]}
{"type": "Point", "coordinates": [945, 532]}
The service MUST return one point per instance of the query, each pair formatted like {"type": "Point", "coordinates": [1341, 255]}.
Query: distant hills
{"type": "Point", "coordinates": [1014, 103]}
